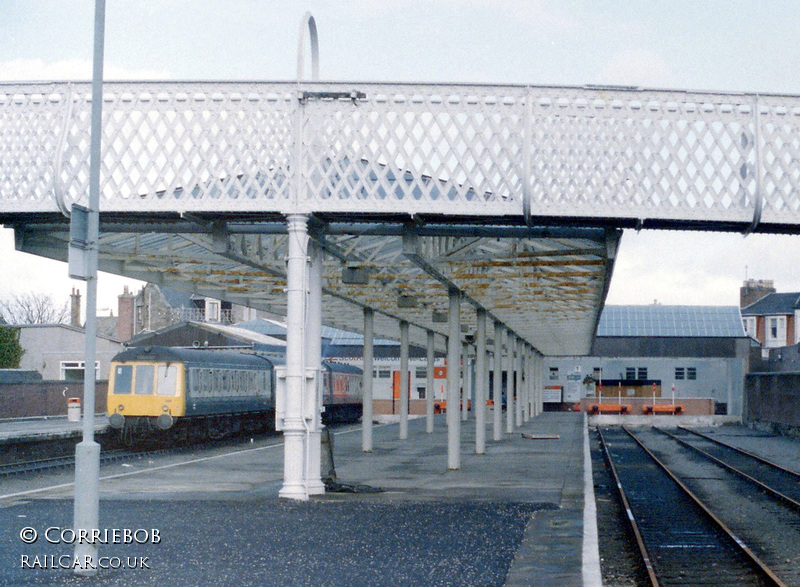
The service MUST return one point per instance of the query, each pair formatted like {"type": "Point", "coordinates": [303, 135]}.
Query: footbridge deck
{"type": "Point", "coordinates": [607, 155]}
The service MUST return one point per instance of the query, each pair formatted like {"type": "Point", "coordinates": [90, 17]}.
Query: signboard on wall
{"type": "Point", "coordinates": [551, 394]}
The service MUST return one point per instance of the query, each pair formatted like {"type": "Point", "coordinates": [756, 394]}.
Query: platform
{"type": "Point", "coordinates": [514, 516]}
{"type": "Point", "coordinates": [45, 428]}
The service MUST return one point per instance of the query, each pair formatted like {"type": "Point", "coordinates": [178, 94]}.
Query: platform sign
{"type": "Point", "coordinates": [78, 252]}
{"type": "Point", "coordinates": [551, 394]}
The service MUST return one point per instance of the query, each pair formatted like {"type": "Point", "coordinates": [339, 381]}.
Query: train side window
{"type": "Point", "coordinates": [167, 380]}
{"type": "Point", "coordinates": [144, 379]}
{"type": "Point", "coordinates": [123, 377]}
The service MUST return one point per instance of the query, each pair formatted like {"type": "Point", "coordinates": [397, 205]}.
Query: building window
{"type": "Point", "coordinates": [212, 310]}
{"type": "Point", "coordinates": [775, 331]}
{"type": "Point", "coordinates": [553, 373]}
{"type": "Point", "coordinates": [384, 374]}
{"type": "Point", "coordinates": [680, 373]}
{"type": "Point", "coordinates": [422, 372]}
{"type": "Point", "coordinates": [642, 373]}
{"type": "Point", "coordinates": [73, 370]}
{"type": "Point", "coordinates": [630, 373]}
{"type": "Point", "coordinates": [421, 392]}
{"type": "Point", "coordinates": [749, 324]}
{"type": "Point", "coordinates": [691, 374]}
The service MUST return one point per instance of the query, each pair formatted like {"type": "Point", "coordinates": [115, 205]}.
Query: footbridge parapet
{"type": "Point", "coordinates": [608, 155]}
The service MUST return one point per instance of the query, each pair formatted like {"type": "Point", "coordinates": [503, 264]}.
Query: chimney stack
{"type": "Point", "coordinates": [75, 308]}
{"type": "Point", "coordinates": [753, 290]}
{"type": "Point", "coordinates": [125, 315]}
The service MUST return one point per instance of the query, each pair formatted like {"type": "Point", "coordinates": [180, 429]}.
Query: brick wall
{"type": "Point", "coordinates": [47, 398]}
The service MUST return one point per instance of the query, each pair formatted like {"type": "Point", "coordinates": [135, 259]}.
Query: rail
{"type": "Point", "coordinates": [675, 521]}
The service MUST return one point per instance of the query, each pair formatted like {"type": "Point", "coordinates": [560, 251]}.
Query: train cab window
{"type": "Point", "coordinates": [144, 379]}
{"type": "Point", "coordinates": [167, 380]}
{"type": "Point", "coordinates": [123, 377]}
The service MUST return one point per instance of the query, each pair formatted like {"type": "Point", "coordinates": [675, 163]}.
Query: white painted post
{"type": "Point", "coordinates": [526, 395]}
{"type": "Point", "coordinates": [86, 512]}
{"type": "Point", "coordinates": [532, 388]}
{"type": "Point", "coordinates": [431, 358]}
{"type": "Point", "coordinates": [403, 380]}
{"type": "Point", "coordinates": [540, 383]}
{"type": "Point", "coordinates": [510, 367]}
{"type": "Point", "coordinates": [453, 381]}
{"type": "Point", "coordinates": [293, 425]}
{"type": "Point", "coordinates": [480, 383]}
{"type": "Point", "coordinates": [520, 390]}
{"type": "Point", "coordinates": [366, 420]}
{"type": "Point", "coordinates": [313, 396]}
{"type": "Point", "coordinates": [497, 387]}
{"type": "Point", "coordinates": [467, 386]}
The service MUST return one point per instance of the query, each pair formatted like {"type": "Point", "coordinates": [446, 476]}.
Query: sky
{"type": "Point", "coordinates": [730, 45]}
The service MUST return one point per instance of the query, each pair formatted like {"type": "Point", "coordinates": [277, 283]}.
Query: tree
{"type": "Point", "coordinates": [34, 309]}
{"type": "Point", "coordinates": [10, 350]}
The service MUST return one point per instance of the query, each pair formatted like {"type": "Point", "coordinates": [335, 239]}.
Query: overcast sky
{"type": "Point", "coordinates": [730, 45]}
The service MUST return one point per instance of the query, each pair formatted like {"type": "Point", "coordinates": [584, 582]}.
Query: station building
{"type": "Point", "coordinates": [641, 351]}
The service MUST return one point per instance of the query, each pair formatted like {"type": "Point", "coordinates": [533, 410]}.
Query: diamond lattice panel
{"type": "Point", "coordinates": [406, 148]}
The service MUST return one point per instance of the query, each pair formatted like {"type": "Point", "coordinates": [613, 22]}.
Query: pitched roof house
{"type": "Point", "coordinates": [773, 319]}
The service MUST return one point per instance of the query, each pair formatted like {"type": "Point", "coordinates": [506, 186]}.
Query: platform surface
{"type": "Point", "coordinates": [513, 516]}
{"type": "Point", "coordinates": [45, 428]}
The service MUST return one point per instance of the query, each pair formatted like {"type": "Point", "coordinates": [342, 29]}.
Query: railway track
{"type": "Point", "coordinates": [781, 482]}
{"type": "Point", "coordinates": [680, 539]}
{"type": "Point", "coordinates": [68, 462]}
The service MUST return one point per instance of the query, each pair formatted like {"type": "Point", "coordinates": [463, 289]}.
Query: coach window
{"type": "Point", "coordinates": [384, 374]}
{"type": "Point", "coordinates": [679, 373]}
{"type": "Point", "coordinates": [144, 380]}
{"type": "Point", "coordinates": [167, 380]}
{"type": "Point", "coordinates": [123, 377]}
{"type": "Point", "coordinates": [691, 373]}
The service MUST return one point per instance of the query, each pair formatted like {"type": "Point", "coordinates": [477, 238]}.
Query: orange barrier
{"type": "Point", "coordinates": [440, 407]}
{"type": "Point", "coordinates": [610, 408]}
{"type": "Point", "coordinates": [663, 409]}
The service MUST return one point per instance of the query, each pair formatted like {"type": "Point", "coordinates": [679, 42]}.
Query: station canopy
{"type": "Point", "coordinates": [546, 284]}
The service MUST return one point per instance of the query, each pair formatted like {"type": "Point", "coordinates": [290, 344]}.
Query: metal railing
{"type": "Point", "coordinates": [407, 148]}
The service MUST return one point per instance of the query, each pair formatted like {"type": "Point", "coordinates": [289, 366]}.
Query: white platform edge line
{"type": "Point", "coordinates": [591, 550]}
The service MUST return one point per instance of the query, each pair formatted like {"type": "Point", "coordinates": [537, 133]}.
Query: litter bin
{"type": "Point", "coordinates": [74, 409]}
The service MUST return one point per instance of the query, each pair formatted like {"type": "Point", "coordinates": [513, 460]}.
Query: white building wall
{"type": "Point", "coordinates": [720, 379]}
{"type": "Point", "coordinates": [48, 346]}
{"type": "Point", "coordinates": [382, 376]}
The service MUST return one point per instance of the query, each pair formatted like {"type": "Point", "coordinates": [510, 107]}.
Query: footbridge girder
{"type": "Point", "coordinates": [586, 155]}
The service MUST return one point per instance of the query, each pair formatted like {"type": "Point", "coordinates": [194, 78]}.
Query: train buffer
{"type": "Point", "coordinates": [610, 408]}
{"type": "Point", "coordinates": [663, 409]}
